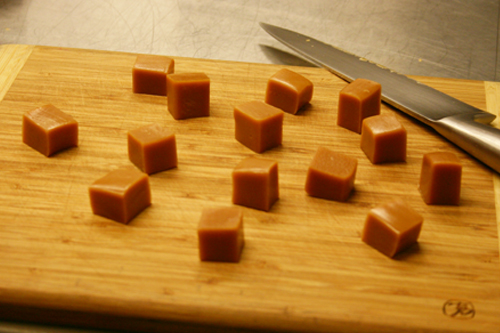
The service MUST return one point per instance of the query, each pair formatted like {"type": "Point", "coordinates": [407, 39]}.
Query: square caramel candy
{"type": "Point", "coordinates": [258, 126]}
{"type": "Point", "coordinates": [383, 139]}
{"type": "Point", "coordinates": [188, 95]}
{"type": "Point", "coordinates": [220, 234]}
{"type": "Point", "coordinates": [440, 178]}
{"type": "Point", "coordinates": [331, 175]}
{"type": "Point", "coordinates": [392, 228]}
{"type": "Point", "coordinates": [121, 194]}
{"type": "Point", "coordinates": [152, 148]}
{"type": "Point", "coordinates": [358, 100]}
{"type": "Point", "coordinates": [49, 130]}
{"type": "Point", "coordinates": [255, 183]}
{"type": "Point", "coordinates": [149, 74]}
{"type": "Point", "coordinates": [288, 91]}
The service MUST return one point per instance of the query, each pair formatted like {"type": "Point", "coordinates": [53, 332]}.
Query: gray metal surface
{"type": "Point", "coordinates": [444, 38]}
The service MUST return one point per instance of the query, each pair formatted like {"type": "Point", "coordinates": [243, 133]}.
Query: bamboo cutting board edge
{"type": "Point", "coordinates": [19, 54]}
{"type": "Point", "coordinates": [492, 90]}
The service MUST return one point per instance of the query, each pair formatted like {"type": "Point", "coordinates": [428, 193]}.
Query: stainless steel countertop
{"type": "Point", "coordinates": [444, 38]}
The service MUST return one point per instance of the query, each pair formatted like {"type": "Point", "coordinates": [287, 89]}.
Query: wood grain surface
{"type": "Point", "coordinates": [304, 266]}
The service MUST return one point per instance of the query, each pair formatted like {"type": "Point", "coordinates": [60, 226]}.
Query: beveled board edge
{"type": "Point", "coordinates": [492, 91]}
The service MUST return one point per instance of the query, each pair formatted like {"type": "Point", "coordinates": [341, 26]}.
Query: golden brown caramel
{"type": "Point", "coordinates": [49, 130]}
{"type": "Point", "coordinates": [255, 183]}
{"type": "Point", "coordinates": [358, 100]}
{"type": "Point", "coordinates": [440, 178]}
{"type": "Point", "coordinates": [392, 228]}
{"type": "Point", "coordinates": [258, 126]}
{"type": "Point", "coordinates": [383, 139]}
{"type": "Point", "coordinates": [220, 234]}
{"type": "Point", "coordinates": [149, 74]}
{"type": "Point", "coordinates": [288, 91]}
{"type": "Point", "coordinates": [331, 175]}
{"type": "Point", "coordinates": [188, 95]}
{"type": "Point", "coordinates": [121, 194]}
{"type": "Point", "coordinates": [152, 148]}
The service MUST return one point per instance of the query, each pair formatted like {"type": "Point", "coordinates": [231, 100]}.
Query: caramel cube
{"type": "Point", "coordinates": [149, 74]}
{"type": "Point", "coordinates": [49, 130]}
{"type": "Point", "coordinates": [392, 228]}
{"type": "Point", "coordinates": [288, 91]}
{"type": "Point", "coordinates": [152, 148]}
{"type": "Point", "coordinates": [255, 183]}
{"type": "Point", "coordinates": [220, 234]}
{"type": "Point", "coordinates": [188, 95]}
{"type": "Point", "coordinates": [358, 100]}
{"type": "Point", "coordinates": [383, 139]}
{"type": "Point", "coordinates": [440, 178]}
{"type": "Point", "coordinates": [331, 175]}
{"type": "Point", "coordinates": [121, 194]}
{"type": "Point", "coordinates": [258, 125]}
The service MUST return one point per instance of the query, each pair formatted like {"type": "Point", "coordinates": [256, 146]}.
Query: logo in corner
{"type": "Point", "coordinates": [459, 309]}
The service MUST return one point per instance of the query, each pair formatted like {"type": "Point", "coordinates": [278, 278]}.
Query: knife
{"type": "Point", "coordinates": [461, 123]}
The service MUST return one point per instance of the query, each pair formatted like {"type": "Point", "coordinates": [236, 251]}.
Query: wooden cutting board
{"type": "Point", "coordinates": [304, 266]}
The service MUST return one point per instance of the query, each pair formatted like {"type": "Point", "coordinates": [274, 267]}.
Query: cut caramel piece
{"type": "Point", "coordinates": [288, 91]}
{"type": "Point", "coordinates": [49, 130]}
{"type": "Point", "coordinates": [440, 178]}
{"type": "Point", "coordinates": [120, 195]}
{"type": "Point", "coordinates": [220, 234]}
{"type": "Point", "coordinates": [152, 148]}
{"type": "Point", "coordinates": [331, 175]}
{"type": "Point", "coordinates": [255, 183]}
{"type": "Point", "coordinates": [188, 95]}
{"type": "Point", "coordinates": [392, 228]}
{"type": "Point", "coordinates": [383, 139]}
{"type": "Point", "coordinates": [258, 126]}
{"type": "Point", "coordinates": [149, 74]}
{"type": "Point", "coordinates": [358, 100]}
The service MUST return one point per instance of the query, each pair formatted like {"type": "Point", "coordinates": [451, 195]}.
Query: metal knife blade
{"type": "Point", "coordinates": [461, 123]}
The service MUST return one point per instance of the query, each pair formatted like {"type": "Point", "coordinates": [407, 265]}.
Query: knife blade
{"type": "Point", "coordinates": [464, 125]}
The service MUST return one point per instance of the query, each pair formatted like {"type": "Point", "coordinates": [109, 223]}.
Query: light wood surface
{"type": "Point", "coordinates": [303, 268]}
